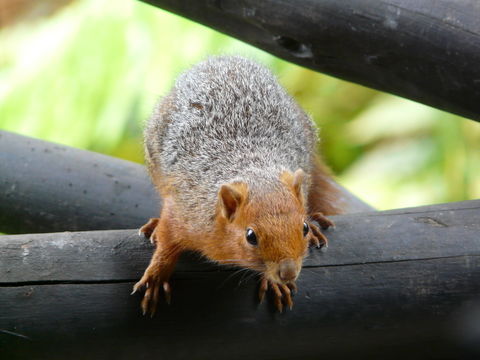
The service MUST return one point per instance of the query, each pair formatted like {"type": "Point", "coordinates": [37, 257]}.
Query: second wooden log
{"type": "Point", "coordinates": [391, 283]}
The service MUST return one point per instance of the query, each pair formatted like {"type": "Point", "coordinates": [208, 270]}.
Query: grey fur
{"type": "Point", "coordinates": [227, 119]}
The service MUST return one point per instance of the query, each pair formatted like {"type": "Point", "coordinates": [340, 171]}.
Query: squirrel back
{"type": "Point", "coordinates": [226, 120]}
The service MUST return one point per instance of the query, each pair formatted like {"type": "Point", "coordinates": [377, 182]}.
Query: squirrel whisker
{"type": "Point", "coordinates": [232, 275]}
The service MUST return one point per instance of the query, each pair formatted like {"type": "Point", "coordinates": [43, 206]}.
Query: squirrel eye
{"type": "Point", "coordinates": [306, 229]}
{"type": "Point", "coordinates": [251, 237]}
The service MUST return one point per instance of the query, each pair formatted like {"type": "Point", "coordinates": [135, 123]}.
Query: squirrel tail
{"type": "Point", "coordinates": [323, 195]}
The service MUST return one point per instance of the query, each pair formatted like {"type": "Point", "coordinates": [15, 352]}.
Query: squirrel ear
{"type": "Point", "coordinates": [295, 181]}
{"type": "Point", "coordinates": [230, 197]}
{"type": "Point", "coordinates": [298, 177]}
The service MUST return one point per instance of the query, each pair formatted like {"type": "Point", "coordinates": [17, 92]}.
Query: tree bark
{"type": "Point", "coordinates": [427, 51]}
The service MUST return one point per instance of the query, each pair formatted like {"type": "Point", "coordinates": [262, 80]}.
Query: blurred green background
{"type": "Point", "coordinates": [87, 74]}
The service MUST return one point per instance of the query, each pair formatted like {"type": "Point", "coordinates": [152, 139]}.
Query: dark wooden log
{"type": "Point", "coordinates": [46, 187]}
{"type": "Point", "coordinates": [427, 51]}
{"type": "Point", "coordinates": [390, 285]}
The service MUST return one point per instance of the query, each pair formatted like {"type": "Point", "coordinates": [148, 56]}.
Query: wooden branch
{"type": "Point", "coordinates": [47, 187]}
{"type": "Point", "coordinates": [427, 51]}
{"type": "Point", "coordinates": [390, 283]}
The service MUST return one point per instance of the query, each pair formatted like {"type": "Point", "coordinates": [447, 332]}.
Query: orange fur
{"type": "Point", "coordinates": [276, 217]}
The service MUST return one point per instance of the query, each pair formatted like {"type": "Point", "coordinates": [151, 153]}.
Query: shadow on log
{"type": "Point", "coordinates": [391, 285]}
{"type": "Point", "coordinates": [427, 51]}
{"type": "Point", "coordinates": [47, 187]}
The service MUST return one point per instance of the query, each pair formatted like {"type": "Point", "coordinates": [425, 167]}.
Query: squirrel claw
{"type": "Point", "coordinates": [317, 238]}
{"type": "Point", "coordinates": [323, 221]}
{"type": "Point", "coordinates": [293, 288]}
{"type": "Point", "coordinates": [148, 229]}
{"type": "Point", "coordinates": [282, 293]}
{"type": "Point", "coordinates": [152, 294]}
{"type": "Point", "coordinates": [168, 292]}
{"type": "Point", "coordinates": [263, 289]}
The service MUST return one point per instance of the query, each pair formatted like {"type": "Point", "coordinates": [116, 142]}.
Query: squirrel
{"type": "Point", "coordinates": [234, 159]}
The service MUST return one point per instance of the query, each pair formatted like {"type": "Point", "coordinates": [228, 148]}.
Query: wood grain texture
{"type": "Point", "coordinates": [426, 51]}
{"type": "Point", "coordinates": [46, 187]}
{"type": "Point", "coordinates": [376, 289]}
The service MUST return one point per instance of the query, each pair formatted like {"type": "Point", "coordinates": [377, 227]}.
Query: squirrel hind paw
{"type": "Point", "coordinates": [317, 238]}
{"type": "Point", "coordinates": [323, 221]}
{"type": "Point", "coordinates": [148, 230]}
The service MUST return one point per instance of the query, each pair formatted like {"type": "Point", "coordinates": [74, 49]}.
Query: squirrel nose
{"type": "Point", "coordinates": [287, 269]}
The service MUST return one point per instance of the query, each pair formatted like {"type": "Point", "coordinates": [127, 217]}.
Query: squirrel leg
{"type": "Point", "coordinates": [157, 275]}
{"type": "Point", "coordinates": [281, 293]}
{"type": "Point", "coordinates": [149, 228]}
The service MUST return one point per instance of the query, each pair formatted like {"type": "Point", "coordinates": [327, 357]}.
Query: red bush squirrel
{"type": "Point", "coordinates": [234, 158]}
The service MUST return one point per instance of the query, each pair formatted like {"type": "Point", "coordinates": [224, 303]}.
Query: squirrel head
{"type": "Point", "coordinates": [266, 231]}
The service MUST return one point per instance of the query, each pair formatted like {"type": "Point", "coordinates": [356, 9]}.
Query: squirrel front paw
{"type": "Point", "coordinates": [282, 293]}
{"type": "Point", "coordinates": [153, 282]}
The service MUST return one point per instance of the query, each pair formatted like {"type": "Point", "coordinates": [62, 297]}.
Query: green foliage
{"type": "Point", "coordinates": [90, 75]}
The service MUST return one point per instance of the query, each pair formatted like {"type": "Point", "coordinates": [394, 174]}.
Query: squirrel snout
{"type": "Point", "coordinates": [287, 270]}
